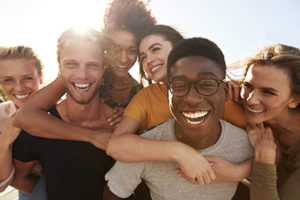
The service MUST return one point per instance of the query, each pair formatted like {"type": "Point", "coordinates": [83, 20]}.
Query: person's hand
{"type": "Point", "coordinates": [99, 138]}
{"type": "Point", "coordinates": [234, 91]}
{"type": "Point", "coordinates": [228, 172]}
{"type": "Point", "coordinates": [262, 140]}
{"type": "Point", "coordinates": [9, 132]}
{"type": "Point", "coordinates": [116, 117]}
{"type": "Point", "coordinates": [194, 167]}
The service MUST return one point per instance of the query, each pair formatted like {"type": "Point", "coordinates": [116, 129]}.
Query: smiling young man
{"type": "Point", "coordinates": [73, 170]}
{"type": "Point", "coordinates": [197, 93]}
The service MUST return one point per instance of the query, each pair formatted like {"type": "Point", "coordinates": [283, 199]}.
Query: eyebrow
{"type": "Point", "coordinates": [151, 46]}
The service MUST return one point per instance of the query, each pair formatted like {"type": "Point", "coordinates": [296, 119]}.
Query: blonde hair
{"type": "Point", "coordinates": [86, 35]}
{"type": "Point", "coordinates": [21, 52]}
{"type": "Point", "coordinates": [281, 56]}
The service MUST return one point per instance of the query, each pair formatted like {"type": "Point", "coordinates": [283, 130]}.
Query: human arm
{"type": "Point", "coordinates": [263, 173]}
{"type": "Point", "coordinates": [34, 118]}
{"type": "Point", "coordinates": [24, 179]}
{"type": "Point", "coordinates": [7, 137]}
{"type": "Point", "coordinates": [128, 147]}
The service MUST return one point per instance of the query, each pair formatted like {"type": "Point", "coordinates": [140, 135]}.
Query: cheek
{"type": "Point", "coordinates": [33, 85]}
{"type": "Point", "coordinates": [7, 88]}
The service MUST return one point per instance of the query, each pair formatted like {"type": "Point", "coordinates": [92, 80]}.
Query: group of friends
{"type": "Point", "coordinates": [183, 132]}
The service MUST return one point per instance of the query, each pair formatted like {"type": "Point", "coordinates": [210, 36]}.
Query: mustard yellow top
{"type": "Point", "coordinates": [150, 107]}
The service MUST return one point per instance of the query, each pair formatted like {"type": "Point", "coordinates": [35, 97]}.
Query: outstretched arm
{"type": "Point", "coordinates": [126, 146]}
{"type": "Point", "coordinates": [34, 118]}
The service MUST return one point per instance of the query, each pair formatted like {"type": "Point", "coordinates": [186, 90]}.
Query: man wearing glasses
{"type": "Point", "coordinates": [197, 94]}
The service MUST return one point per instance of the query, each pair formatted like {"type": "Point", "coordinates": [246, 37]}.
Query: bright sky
{"type": "Point", "coordinates": [238, 27]}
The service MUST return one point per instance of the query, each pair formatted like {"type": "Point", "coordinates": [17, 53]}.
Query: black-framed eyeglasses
{"type": "Point", "coordinates": [205, 87]}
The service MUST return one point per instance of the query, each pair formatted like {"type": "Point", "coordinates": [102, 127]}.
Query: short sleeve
{"type": "Point", "coordinates": [137, 108]}
{"type": "Point", "coordinates": [123, 178]}
{"type": "Point", "coordinates": [24, 148]}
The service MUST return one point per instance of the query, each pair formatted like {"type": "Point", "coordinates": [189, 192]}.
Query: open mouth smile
{"type": "Point", "coordinates": [254, 110]}
{"type": "Point", "coordinates": [21, 96]}
{"type": "Point", "coordinates": [156, 68]}
{"type": "Point", "coordinates": [82, 86]}
{"type": "Point", "coordinates": [196, 117]}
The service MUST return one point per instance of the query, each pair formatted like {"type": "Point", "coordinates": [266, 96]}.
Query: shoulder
{"type": "Point", "coordinates": [163, 131]}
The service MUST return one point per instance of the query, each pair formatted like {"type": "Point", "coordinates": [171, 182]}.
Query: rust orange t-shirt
{"type": "Point", "coordinates": [150, 107]}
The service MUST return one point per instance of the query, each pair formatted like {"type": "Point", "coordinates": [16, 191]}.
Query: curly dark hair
{"type": "Point", "coordinates": [131, 15]}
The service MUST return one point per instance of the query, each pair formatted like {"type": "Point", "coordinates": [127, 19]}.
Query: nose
{"type": "Point", "coordinates": [123, 57]}
{"type": "Point", "coordinates": [252, 97]}
{"type": "Point", "coordinates": [82, 72]}
{"type": "Point", "coordinates": [19, 87]}
{"type": "Point", "coordinates": [193, 97]}
{"type": "Point", "coordinates": [149, 58]}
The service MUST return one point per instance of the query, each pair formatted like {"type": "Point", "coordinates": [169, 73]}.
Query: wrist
{"type": "Point", "coordinates": [5, 143]}
{"type": "Point", "coordinates": [265, 155]}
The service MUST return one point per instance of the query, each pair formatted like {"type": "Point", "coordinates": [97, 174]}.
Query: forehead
{"type": "Point", "coordinates": [81, 49]}
{"type": "Point", "coordinates": [268, 76]}
{"type": "Point", "coordinates": [19, 66]}
{"type": "Point", "coordinates": [123, 38]}
{"type": "Point", "coordinates": [194, 67]}
{"type": "Point", "coordinates": [152, 39]}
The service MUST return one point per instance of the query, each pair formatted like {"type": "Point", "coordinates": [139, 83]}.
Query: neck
{"type": "Point", "coordinates": [286, 127]}
{"type": "Point", "coordinates": [76, 113]}
{"type": "Point", "coordinates": [200, 138]}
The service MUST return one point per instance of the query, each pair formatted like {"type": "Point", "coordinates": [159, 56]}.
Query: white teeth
{"type": "Point", "coordinates": [194, 115]}
{"type": "Point", "coordinates": [121, 66]}
{"type": "Point", "coordinates": [254, 111]}
{"type": "Point", "coordinates": [81, 85]}
{"type": "Point", "coordinates": [21, 96]}
{"type": "Point", "coordinates": [155, 68]}
{"type": "Point", "coordinates": [194, 122]}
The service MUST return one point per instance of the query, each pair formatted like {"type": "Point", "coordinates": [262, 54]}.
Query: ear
{"type": "Point", "coordinates": [41, 77]}
{"type": "Point", "coordinates": [295, 102]}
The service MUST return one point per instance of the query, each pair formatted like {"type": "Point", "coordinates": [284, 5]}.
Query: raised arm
{"type": "Point", "coordinates": [7, 137]}
{"type": "Point", "coordinates": [34, 118]}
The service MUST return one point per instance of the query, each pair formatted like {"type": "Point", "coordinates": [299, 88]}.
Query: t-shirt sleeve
{"type": "Point", "coordinates": [123, 178]}
{"type": "Point", "coordinates": [24, 148]}
{"type": "Point", "coordinates": [137, 108]}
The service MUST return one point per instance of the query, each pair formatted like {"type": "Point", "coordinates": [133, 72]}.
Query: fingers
{"type": "Point", "coordinates": [116, 117]}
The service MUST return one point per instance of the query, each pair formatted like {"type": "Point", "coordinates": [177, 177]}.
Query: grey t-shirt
{"type": "Point", "coordinates": [161, 177]}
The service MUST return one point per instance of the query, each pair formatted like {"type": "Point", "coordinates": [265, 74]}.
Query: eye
{"type": "Point", "coordinates": [268, 92]}
{"type": "Point", "coordinates": [132, 51]}
{"type": "Point", "coordinates": [28, 78]}
{"type": "Point", "coordinates": [155, 49]}
{"type": "Point", "coordinates": [95, 65]}
{"type": "Point", "coordinates": [7, 80]}
{"type": "Point", "coordinates": [178, 86]}
{"type": "Point", "coordinates": [70, 64]}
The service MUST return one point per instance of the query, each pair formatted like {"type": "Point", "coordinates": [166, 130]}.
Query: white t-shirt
{"type": "Point", "coordinates": [161, 177]}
